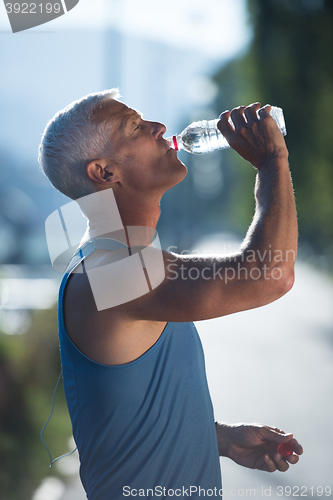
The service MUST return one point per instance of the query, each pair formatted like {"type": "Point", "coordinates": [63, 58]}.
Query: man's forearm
{"type": "Point", "coordinates": [272, 236]}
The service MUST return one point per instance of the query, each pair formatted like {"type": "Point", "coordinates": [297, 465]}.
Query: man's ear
{"type": "Point", "coordinates": [102, 172]}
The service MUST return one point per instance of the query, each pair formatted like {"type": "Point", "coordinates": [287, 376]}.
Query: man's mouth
{"type": "Point", "coordinates": [168, 144]}
{"type": "Point", "coordinates": [172, 142]}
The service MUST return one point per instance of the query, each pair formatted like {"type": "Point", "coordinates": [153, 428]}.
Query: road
{"type": "Point", "coordinates": [273, 365]}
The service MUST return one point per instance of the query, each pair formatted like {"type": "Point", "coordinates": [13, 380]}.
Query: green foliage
{"type": "Point", "coordinates": [290, 64]}
{"type": "Point", "coordinates": [29, 369]}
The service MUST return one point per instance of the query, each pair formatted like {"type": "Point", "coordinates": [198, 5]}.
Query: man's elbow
{"type": "Point", "coordinates": [289, 280]}
{"type": "Point", "coordinates": [283, 278]}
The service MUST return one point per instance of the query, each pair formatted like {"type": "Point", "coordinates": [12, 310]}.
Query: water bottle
{"type": "Point", "coordinates": [204, 136]}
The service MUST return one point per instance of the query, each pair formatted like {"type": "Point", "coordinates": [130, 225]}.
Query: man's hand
{"type": "Point", "coordinates": [255, 446]}
{"type": "Point", "coordinates": [257, 139]}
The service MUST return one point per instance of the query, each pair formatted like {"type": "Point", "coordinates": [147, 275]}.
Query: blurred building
{"type": "Point", "coordinates": [159, 72]}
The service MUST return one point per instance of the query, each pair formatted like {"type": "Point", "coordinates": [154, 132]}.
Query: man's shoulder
{"type": "Point", "coordinates": [111, 336]}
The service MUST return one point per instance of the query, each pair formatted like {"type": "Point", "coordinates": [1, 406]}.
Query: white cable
{"type": "Point", "coordinates": [41, 432]}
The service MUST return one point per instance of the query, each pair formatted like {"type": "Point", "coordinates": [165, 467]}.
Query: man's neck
{"type": "Point", "coordinates": [138, 212]}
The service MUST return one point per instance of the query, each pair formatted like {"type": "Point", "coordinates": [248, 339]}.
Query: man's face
{"type": "Point", "coordinates": [142, 154]}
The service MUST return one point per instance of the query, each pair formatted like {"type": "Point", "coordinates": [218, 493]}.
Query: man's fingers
{"type": "Point", "coordinates": [225, 115]}
{"type": "Point", "coordinates": [275, 429]}
{"type": "Point", "coordinates": [280, 462]}
{"type": "Point", "coordinates": [224, 124]}
{"type": "Point", "coordinates": [276, 463]}
{"type": "Point", "coordinates": [270, 465]}
{"type": "Point", "coordinates": [293, 459]}
{"type": "Point", "coordinates": [265, 110]}
{"type": "Point", "coordinates": [250, 112]}
{"type": "Point", "coordinates": [275, 435]}
{"type": "Point", "coordinates": [297, 447]}
{"type": "Point", "coordinates": [237, 116]}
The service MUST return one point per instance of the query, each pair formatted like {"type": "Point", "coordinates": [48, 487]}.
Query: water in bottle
{"type": "Point", "coordinates": [204, 136]}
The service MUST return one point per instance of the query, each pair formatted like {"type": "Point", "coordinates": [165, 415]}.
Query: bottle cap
{"type": "Point", "coordinates": [172, 142]}
{"type": "Point", "coordinates": [285, 449]}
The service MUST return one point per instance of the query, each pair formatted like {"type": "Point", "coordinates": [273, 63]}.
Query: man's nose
{"type": "Point", "coordinates": [159, 129]}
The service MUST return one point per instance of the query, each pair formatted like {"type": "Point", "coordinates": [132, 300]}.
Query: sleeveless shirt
{"type": "Point", "coordinates": [143, 428]}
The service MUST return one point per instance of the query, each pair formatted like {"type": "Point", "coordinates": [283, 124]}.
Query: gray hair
{"type": "Point", "coordinates": [71, 140]}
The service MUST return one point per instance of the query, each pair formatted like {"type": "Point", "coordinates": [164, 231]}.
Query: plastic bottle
{"type": "Point", "coordinates": [204, 136]}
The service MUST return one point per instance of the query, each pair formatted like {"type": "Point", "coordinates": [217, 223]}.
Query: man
{"type": "Point", "coordinates": [134, 374]}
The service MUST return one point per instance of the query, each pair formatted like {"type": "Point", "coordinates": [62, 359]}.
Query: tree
{"type": "Point", "coordinates": [29, 369]}
{"type": "Point", "coordinates": [289, 64]}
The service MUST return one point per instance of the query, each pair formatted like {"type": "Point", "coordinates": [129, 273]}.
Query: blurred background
{"type": "Point", "coordinates": [176, 62]}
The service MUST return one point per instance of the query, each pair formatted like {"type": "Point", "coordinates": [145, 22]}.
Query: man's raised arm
{"type": "Point", "coordinates": [272, 236]}
{"type": "Point", "coordinates": [263, 270]}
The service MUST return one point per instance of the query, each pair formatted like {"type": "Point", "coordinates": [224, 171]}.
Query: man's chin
{"type": "Point", "coordinates": [180, 175]}
{"type": "Point", "coordinates": [184, 173]}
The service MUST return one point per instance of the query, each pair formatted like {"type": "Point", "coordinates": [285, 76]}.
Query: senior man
{"type": "Point", "coordinates": [134, 374]}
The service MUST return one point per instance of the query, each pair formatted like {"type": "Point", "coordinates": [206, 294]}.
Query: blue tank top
{"type": "Point", "coordinates": [145, 425]}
